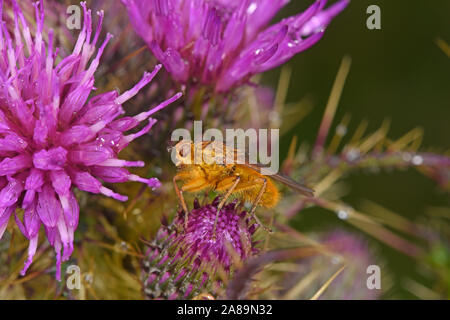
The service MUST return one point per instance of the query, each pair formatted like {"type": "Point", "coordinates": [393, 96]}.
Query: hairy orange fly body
{"type": "Point", "coordinates": [201, 167]}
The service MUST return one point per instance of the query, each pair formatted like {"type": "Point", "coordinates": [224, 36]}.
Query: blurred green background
{"type": "Point", "coordinates": [397, 73]}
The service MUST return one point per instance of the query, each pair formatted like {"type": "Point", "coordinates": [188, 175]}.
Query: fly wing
{"type": "Point", "coordinates": [294, 185]}
{"type": "Point", "coordinates": [232, 155]}
{"type": "Point", "coordinates": [285, 180]}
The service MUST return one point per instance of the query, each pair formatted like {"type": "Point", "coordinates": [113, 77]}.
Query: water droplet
{"type": "Point", "coordinates": [88, 278]}
{"type": "Point", "coordinates": [123, 246]}
{"type": "Point", "coordinates": [352, 154]}
{"type": "Point", "coordinates": [417, 160]}
{"type": "Point", "coordinates": [336, 260]}
{"type": "Point", "coordinates": [341, 130]}
{"type": "Point", "coordinates": [342, 214]}
{"type": "Point", "coordinates": [275, 118]}
{"type": "Point", "coordinates": [406, 157]}
{"type": "Point", "coordinates": [251, 8]}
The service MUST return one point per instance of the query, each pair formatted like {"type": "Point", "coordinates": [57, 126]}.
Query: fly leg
{"type": "Point", "coordinates": [255, 204]}
{"type": "Point", "coordinates": [180, 196]}
{"type": "Point", "coordinates": [222, 203]}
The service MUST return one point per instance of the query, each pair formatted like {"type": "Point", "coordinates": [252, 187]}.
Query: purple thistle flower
{"type": "Point", "coordinates": [52, 138]}
{"type": "Point", "coordinates": [180, 263]}
{"type": "Point", "coordinates": [342, 248]}
{"type": "Point", "coordinates": [234, 232]}
{"type": "Point", "coordinates": [222, 43]}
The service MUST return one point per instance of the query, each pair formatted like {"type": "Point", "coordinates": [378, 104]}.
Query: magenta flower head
{"type": "Point", "coordinates": [183, 262]}
{"type": "Point", "coordinates": [221, 43]}
{"type": "Point", "coordinates": [234, 233]}
{"type": "Point", "coordinates": [52, 138]}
